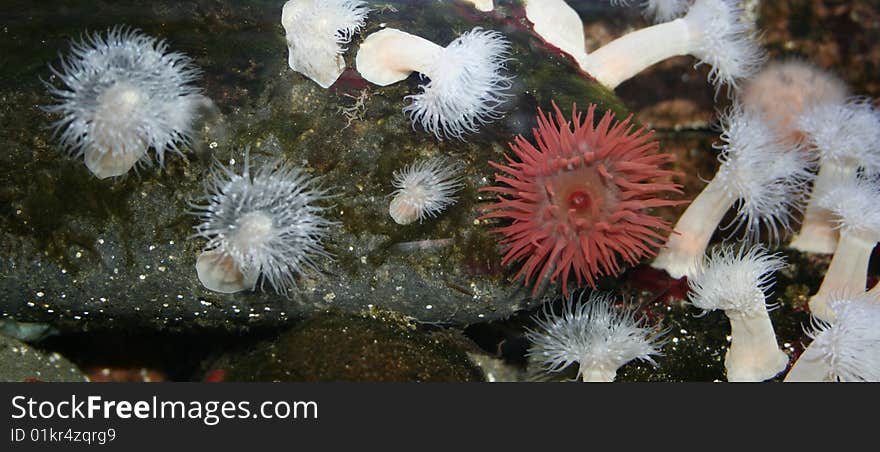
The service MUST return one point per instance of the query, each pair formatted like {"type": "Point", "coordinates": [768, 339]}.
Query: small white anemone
{"type": "Point", "coordinates": [261, 224]}
{"type": "Point", "coordinates": [735, 281]}
{"type": "Point", "coordinates": [853, 204]}
{"type": "Point", "coordinates": [763, 176]}
{"type": "Point", "coordinates": [846, 138]}
{"type": "Point", "coordinates": [482, 5]}
{"type": "Point", "coordinates": [714, 31]}
{"type": "Point", "coordinates": [316, 31]}
{"type": "Point", "coordinates": [123, 93]}
{"type": "Point", "coordinates": [466, 87]}
{"type": "Point", "coordinates": [424, 189]}
{"type": "Point", "coordinates": [594, 333]}
{"type": "Point", "coordinates": [847, 350]}
{"type": "Point", "coordinates": [660, 10]}
{"type": "Point", "coordinates": [664, 10]}
{"type": "Point", "coordinates": [783, 90]}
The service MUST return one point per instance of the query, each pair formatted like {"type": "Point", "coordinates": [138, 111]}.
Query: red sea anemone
{"type": "Point", "coordinates": [577, 200]}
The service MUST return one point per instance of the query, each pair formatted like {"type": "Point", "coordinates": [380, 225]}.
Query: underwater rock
{"type": "Point", "coordinates": [22, 362]}
{"type": "Point", "coordinates": [82, 253]}
{"type": "Point", "coordinates": [333, 347]}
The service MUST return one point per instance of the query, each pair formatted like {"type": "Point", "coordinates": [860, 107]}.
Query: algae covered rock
{"type": "Point", "coordinates": [82, 253]}
{"type": "Point", "coordinates": [333, 347]}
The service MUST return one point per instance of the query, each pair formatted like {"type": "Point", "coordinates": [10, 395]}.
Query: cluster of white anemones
{"type": "Point", "coordinates": [760, 174]}
{"type": "Point", "coordinates": [122, 93]}
{"type": "Point", "coordinates": [793, 133]}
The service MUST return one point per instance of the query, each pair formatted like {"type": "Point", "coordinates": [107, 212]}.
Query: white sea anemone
{"type": "Point", "coordinates": [847, 350]}
{"type": "Point", "coordinates": [559, 25]}
{"type": "Point", "coordinates": [660, 10]}
{"type": "Point", "coordinates": [261, 224]}
{"type": "Point", "coordinates": [713, 31]}
{"type": "Point", "coordinates": [783, 90]}
{"type": "Point", "coordinates": [664, 10]}
{"type": "Point", "coordinates": [424, 189]}
{"type": "Point", "coordinates": [123, 93]}
{"type": "Point", "coordinates": [735, 281]}
{"type": "Point", "coordinates": [482, 5]}
{"type": "Point", "coordinates": [846, 138]}
{"type": "Point", "coordinates": [595, 334]}
{"type": "Point", "coordinates": [316, 31]}
{"type": "Point", "coordinates": [466, 87]}
{"type": "Point", "coordinates": [762, 175]}
{"type": "Point", "coordinates": [853, 205]}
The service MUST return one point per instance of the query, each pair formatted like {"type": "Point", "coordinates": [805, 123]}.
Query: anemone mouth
{"type": "Point", "coordinates": [577, 199]}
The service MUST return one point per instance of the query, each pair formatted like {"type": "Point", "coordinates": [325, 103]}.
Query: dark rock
{"type": "Point", "coordinates": [333, 347]}
{"type": "Point", "coordinates": [21, 362]}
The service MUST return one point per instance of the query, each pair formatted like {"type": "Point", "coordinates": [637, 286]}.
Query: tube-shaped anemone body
{"type": "Point", "coordinates": [316, 30]}
{"type": "Point", "coordinates": [735, 282]}
{"type": "Point", "coordinates": [466, 87]}
{"type": "Point", "coordinates": [854, 204]}
{"type": "Point", "coordinates": [846, 138]}
{"type": "Point", "coordinates": [559, 25]}
{"type": "Point", "coordinates": [713, 31]}
{"type": "Point", "coordinates": [846, 350]}
{"type": "Point", "coordinates": [760, 174]}
{"type": "Point", "coordinates": [596, 334]}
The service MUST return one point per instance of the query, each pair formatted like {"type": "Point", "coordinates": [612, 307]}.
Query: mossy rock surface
{"type": "Point", "coordinates": [334, 347]}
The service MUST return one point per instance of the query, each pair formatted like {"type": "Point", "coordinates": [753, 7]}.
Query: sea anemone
{"type": "Point", "coordinates": [846, 138]}
{"type": "Point", "coordinates": [596, 334]}
{"type": "Point", "coordinates": [559, 25]}
{"type": "Point", "coordinates": [261, 224]}
{"type": "Point", "coordinates": [660, 10]}
{"type": "Point", "coordinates": [316, 30]}
{"type": "Point", "coordinates": [762, 175]}
{"type": "Point", "coordinates": [123, 93]}
{"type": "Point", "coordinates": [783, 90]}
{"type": "Point", "coordinates": [466, 88]}
{"type": "Point", "coordinates": [664, 10]}
{"type": "Point", "coordinates": [713, 31]}
{"type": "Point", "coordinates": [847, 350]}
{"type": "Point", "coordinates": [853, 204]}
{"type": "Point", "coordinates": [482, 5]}
{"type": "Point", "coordinates": [735, 281]}
{"type": "Point", "coordinates": [578, 199]}
{"type": "Point", "coordinates": [424, 189]}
